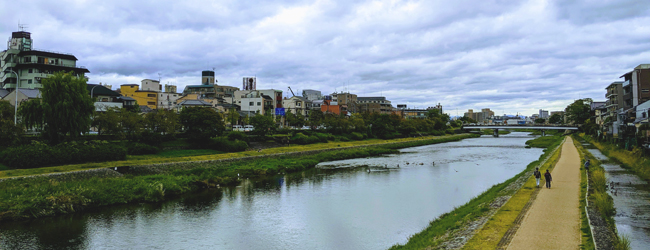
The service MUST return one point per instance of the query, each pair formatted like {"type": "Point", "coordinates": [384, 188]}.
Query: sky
{"type": "Point", "coordinates": [507, 55]}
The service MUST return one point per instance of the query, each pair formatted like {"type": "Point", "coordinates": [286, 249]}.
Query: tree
{"type": "Point", "coordinates": [107, 122]}
{"type": "Point", "coordinates": [31, 114]}
{"type": "Point", "coordinates": [131, 123]}
{"type": "Point", "coordinates": [67, 106]}
{"type": "Point", "coordinates": [466, 119]}
{"type": "Point", "coordinates": [316, 118]}
{"type": "Point", "coordinates": [9, 132]}
{"type": "Point", "coordinates": [162, 121]}
{"type": "Point", "coordinates": [578, 111]}
{"type": "Point", "coordinates": [201, 123]}
{"type": "Point", "coordinates": [556, 119]}
{"type": "Point", "coordinates": [540, 120]}
{"type": "Point", "coordinates": [262, 124]}
{"type": "Point", "coordinates": [232, 115]}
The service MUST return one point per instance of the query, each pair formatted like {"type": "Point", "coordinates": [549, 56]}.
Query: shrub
{"type": "Point", "coordinates": [356, 136]}
{"type": "Point", "coordinates": [39, 154]}
{"type": "Point", "coordinates": [322, 137]}
{"type": "Point", "coordinates": [598, 180]}
{"type": "Point", "coordinates": [237, 135]}
{"type": "Point", "coordinates": [225, 145]}
{"type": "Point", "coordinates": [151, 138]}
{"type": "Point", "coordinates": [141, 149]}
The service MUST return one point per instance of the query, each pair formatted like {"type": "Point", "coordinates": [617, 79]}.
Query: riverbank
{"type": "Point", "coordinates": [453, 229]}
{"type": "Point", "coordinates": [633, 160]}
{"type": "Point", "coordinates": [45, 195]}
{"type": "Point", "coordinates": [150, 160]}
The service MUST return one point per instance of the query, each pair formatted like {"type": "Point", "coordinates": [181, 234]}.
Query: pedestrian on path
{"type": "Point", "coordinates": [537, 175]}
{"type": "Point", "coordinates": [548, 178]}
{"type": "Point", "coordinates": [587, 165]}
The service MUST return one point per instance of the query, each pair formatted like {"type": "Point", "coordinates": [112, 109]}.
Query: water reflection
{"type": "Point", "coordinates": [317, 209]}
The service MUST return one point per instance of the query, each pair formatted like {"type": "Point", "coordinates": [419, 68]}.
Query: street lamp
{"type": "Point", "coordinates": [91, 91]}
{"type": "Point", "coordinates": [15, 95]}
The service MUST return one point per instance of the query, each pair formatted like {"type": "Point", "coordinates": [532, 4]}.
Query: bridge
{"type": "Point", "coordinates": [543, 128]}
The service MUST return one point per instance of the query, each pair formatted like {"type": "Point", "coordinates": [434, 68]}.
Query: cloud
{"type": "Point", "coordinates": [512, 56]}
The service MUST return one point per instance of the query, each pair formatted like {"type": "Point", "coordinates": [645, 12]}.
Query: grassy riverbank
{"type": "Point", "coordinates": [597, 194]}
{"type": "Point", "coordinates": [40, 196]}
{"type": "Point", "coordinates": [491, 131]}
{"type": "Point", "coordinates": [438, 229]}
{"type": "Point", "coordinates": [202, 156]}
{"type": "Point", "coordinates": [633, 160]}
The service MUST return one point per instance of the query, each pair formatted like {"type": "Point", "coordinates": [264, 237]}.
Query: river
{"type": "Point", "coordinates": [344, 208]}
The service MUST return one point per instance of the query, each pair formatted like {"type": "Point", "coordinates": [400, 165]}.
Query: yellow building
{"type": "Point", "coordinates": [143, 97]}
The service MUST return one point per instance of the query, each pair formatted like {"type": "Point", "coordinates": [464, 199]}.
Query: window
{"type": "Point", "coordinates": [645, 90]}
{"type": "Point", "coordinates": [259, 104]}
{"type": "Point", "coordinates": [251, 103]}
{"type": "Point", "coordinates": [151, 103]}
{"type": "Point", "coordinates": [29, 81]}
{"type": "Point", "coordinates": [30, 70]}
{"type": "Point", "coordinates": [297, 104]}
{"type": "Point", "coordinates": [27, 59]}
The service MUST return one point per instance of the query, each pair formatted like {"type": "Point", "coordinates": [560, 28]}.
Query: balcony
{"type": "Point", "coordinates": [626, 83]}
{"type": "Point", "coordinates": [610, 94]}
{"type": "Point", "coordinates": [627, 96]}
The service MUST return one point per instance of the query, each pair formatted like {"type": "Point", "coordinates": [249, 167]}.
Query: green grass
{"type": "Point", "coordinates": [44, 196]}
{"type": "Point", "coordinates": [491, 131]}
{"type": "Point", "coordinates": [174, 153]}
{"type": "Point", "coordinates": [434, 234]}
{"type": "Point", "coordinates": [155, 159]}
{"type": "Point", "coordinates": [3, 167]}
{"type": "Point", "coordinates": [633, 160]}
{"type": "Point", "coordinates": [543, 142]}
{"type": "Point", "coordinates": [587, 242]}
{"type": "Point", "coordinates": [176, 143]}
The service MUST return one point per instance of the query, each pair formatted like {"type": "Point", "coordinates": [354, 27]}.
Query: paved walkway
{"type": "Point", "coordinates": [553, 221]}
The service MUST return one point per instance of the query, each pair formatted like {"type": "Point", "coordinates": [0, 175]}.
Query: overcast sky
{"type": "Point", "coordinates": [507, 55]}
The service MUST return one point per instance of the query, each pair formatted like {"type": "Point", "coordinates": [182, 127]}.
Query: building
{"type": "Point", "coordinates": [479, 116]}
{"type": "Point", "coordinates": [32, 65]}
{"type": "Point", "coordinates": [614, 102]}
{"type": "Point", "coordinates": [169, 98]}
{"type": "Point", "coordinates": [259, 101]}
{"type": "Point", "coordinates": [104, 97]}
{"type": "Point", "coordinates": [346, 101]}
{"type": "Point", "coordinates": [374, 104]}
{"type": "Point", "coordinates": [312, 95]}
{"type": "Point", "coordinates": [297, 105]}
{"type": "Point", "coordinates": [543, 114]}
{"type": "Point", "coordinates": [331, 107]}
{"type": "Point", "coordinates": [142, 97]}
{"type": "Point", "coordinates": [23, 95]}
{"type": "Point", "coordinates": [636, 87]}
{"type": "Point", "coordinates": [411, 113]}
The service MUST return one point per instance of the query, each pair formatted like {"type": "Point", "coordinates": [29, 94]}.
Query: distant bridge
{"type": "Point", "coordinates": [543, 128]}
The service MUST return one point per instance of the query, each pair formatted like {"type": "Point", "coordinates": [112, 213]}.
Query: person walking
{"type": "Point", "coordinates": [548, 178]}
{"type": "Point", "coordinates": [537, 175]}
{"type": "Point", "coordinates": [587, 163]}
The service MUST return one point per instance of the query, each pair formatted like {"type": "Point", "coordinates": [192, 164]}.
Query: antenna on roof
{"type": "Point", "coordinates": [158, 76]}
{"type": "Point", "coordinates": [21, 26]}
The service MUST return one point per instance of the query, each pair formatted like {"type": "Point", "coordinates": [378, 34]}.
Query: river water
{"type": "Point", "coordinates": [363, 207]}
{"type": "Point", "coordinates": [631, 197]}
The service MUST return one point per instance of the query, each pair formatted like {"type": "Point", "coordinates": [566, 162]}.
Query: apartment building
{"type": "Point", "coordinates": [297, 105]}
{"type": "Point", "coordinates": [374, 104]}
{"type": "Point", "coordinates": [636, 87]}
{"type": "Point", "coordinates": [32, 65]}
{"type": "Point", "coordinates": [346, 101]}
{"type": "Point", "coordinates": [479, 116]}
{"type": "Point", "coordinates": [312, 95]}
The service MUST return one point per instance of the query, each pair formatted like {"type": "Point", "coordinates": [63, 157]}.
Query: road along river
{"type": "Point", "coordinates": [365, 203]}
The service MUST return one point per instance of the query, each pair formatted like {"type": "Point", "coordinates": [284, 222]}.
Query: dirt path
{"type": "Point", "coordinates": [553, 221]}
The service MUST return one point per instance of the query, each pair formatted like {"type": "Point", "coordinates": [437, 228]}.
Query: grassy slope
{"type": "Point", "coordinates": [632, 160]}
{"type": "Point", "coordinates": [492, 232]}
{"type": "Point", "coordinates": [585, 229]}
{"type": "Point", "coordinates": [147, 160]}
{"type": "Point", "coordinates": [42, 196]}
{"type": "Point", "coordinates": [475, 208]}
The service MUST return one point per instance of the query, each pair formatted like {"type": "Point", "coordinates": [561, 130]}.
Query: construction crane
{"type": "Point", "coordinates": [291, 91]}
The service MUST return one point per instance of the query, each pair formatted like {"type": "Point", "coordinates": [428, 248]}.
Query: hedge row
{"type": "Point", "coordinates": [39, 154]}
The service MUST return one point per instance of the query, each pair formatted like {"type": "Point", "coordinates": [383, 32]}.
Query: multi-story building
{"type": "Point", "coordinates": [259, 101]}
{"type": "Point", "coordinates": [147, 98]}
{"type": "Point", "coordinates": [479, 116]}
{"type": "Point", "coordinates": [104, 97]}
{"type": "Point", "coordinates": [169, 98]}
{"type": "Point", "coordinates": [636, 88]}
{"type": "Point", "coordinates": [312, 95]}
{"type": "Point", "coordinates": [32, 65]}
{"type": "Point", "coordinates": [297, 105]}
{"type": "Point", "coordinates": [346, 101]}
{"type": "Point", "coordinates": [374, 104]}
{"type": "Point", "coordinates": [615, 99]}
{"type": "Point", "coordinates": [543, 114]}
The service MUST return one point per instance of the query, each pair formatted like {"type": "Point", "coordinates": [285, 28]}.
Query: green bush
{"type": "Point", "coordinates": [356, 136]}
{"type": "Point", "coordinates": [303, 139]}
{"type": "Point", "coordinates": [225, 145]}
{"type": "Point", "coordinates": [322, 137]}
{"type": "Point", "coordinates": [237, 135]}
{"type": "Point", "coordinates": [141, 149]}
{"type": "Point", "coordinates": [604, 204]}
{"type": "Point", "coordinates": [39, 154]}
